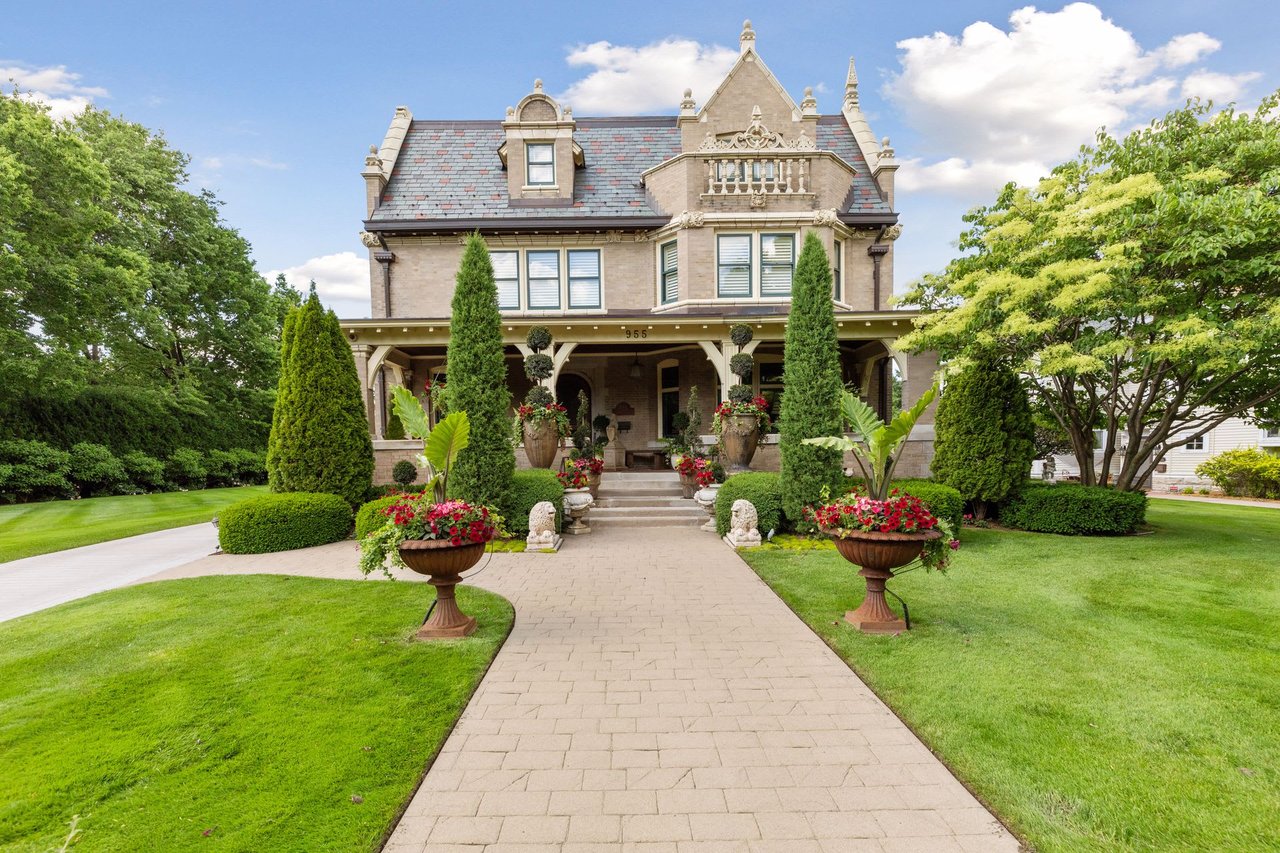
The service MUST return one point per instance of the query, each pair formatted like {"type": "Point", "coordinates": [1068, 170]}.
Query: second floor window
{"type": "Point", "coordinates": [506, 273]}
{"type": "Point", "coordinates": [584, 278]}
{"type": "Point", "coordinates": [733, 262]}
{"type": "Point", "coordinates": [837, 271]}
{"type": "Point", "coordinates": [540, 164]}
{"type": "Point", "coordinates": [777, 263]}
{"type": "Point", "coordinates": [670, 273]}
{"type": "Point", "coordinates": [543, 273]}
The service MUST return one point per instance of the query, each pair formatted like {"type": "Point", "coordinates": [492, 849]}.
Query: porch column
{"type": "Point", "coordinates": [719, 353]}
{"type": "Point", "coordinates": [362, 353]}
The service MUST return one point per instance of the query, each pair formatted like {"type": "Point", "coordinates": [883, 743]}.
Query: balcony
{"type": "Point", "coordinates": [758, 177]}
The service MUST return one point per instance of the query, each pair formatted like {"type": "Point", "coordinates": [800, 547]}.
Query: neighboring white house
{"type": "Point", "coordinates": [1178, 469]}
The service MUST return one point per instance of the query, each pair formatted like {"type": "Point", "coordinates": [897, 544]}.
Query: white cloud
{"type": "Point", "coordinates": [1006, 105]}
{"type": "Point", "coordinates": [1219, 88]}
{"type": "Point", "coordinates": [54, 86]}
{"type": "Point", "coordinates": [267, 163]}
{"type": "Point", "coordinates": [342, 281]}
{"type": "Point", "coordinates": [630, 80]}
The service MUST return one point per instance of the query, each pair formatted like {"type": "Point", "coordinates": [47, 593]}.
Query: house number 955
{"type": "Point", "coordinates": [637, 333]}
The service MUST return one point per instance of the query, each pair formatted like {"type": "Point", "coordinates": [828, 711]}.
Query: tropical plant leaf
{"type": "Point", "coordinates": [900, 427]}
{"type": "Point", "coordinates": [449, 438]}
{"type": "Point", "coordinates": [409, 409]}
{"type": "Point", "coordinates": [860, 416]}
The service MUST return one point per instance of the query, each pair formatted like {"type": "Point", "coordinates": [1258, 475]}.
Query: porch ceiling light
{"type": "Point", "coordinates": [637, 369]}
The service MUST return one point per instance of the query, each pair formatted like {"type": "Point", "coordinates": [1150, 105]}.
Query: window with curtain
{"type": "Point", "coordinates": [584, 278]}
{"type": "Point", "coordinates": [542, 269]}
{"type": "Point", "coordinates": [777, 263]}
{"type": "Point", "coordinates": [733, 261]}
{"type": "Point", "coordinates": [506, 274]}
{"type": "Point", "coordinates": [670, 273]}
{"type": "Point", "coordinates": [540, 164]}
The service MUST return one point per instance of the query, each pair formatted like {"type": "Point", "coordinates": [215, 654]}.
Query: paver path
{"type": "Point", "coordinates": [34, 583]}
{"type": "Point", "coordinates": [655, 696]}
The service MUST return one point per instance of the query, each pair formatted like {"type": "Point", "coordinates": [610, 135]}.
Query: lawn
{"type": "Point", "coordinates": [228, 713]}
{"type": "Point", "coordinates": [1098, 694]}
{"type": "Point", "coordinates": [40, 528]}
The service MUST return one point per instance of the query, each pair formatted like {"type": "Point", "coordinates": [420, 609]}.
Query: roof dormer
{"type": "Point", "coordinates": [539, 152]}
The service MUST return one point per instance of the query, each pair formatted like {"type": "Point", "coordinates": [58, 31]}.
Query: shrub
{"type": "Point", "coordinates": [251, 466]}
{"type": "Point", "coordinates": [96, 471]}
{"type": "Point", "coordinates": [538, 366]}
{"type": "Point", "coordinates": [33, 471]}
{"type": "Point", "coordinates": [943, 501]}
{"type": "Point", "coordinates": [1244, 473]}
{"type": "Point", "coordinates": [811, 375]}
{"type": "Point", "coordinates": [185, 469]}
{"type": "Point", "coordinates": [1076, 510]}
{"type": "Point", "coordinates": [319, 434]}
{"type": "Point", "coordinates": [985, 434]}
{"type": "Point", "coordinates": [220, 469]}
{"type": "Point", "coordinates": [538, 338]}
{"type": "Point", "coordinates": [146, 473]}
{"type": "Point", "coordinates": [369, 517]}
{"type": "Point", "coordinates": [404, 473]}
{"type": "Point", "coordinates": [529, 487]}
{"type": "Point", "coordinates": [762, 488]}
{"type": "Point", "coordinates": [283, 522]}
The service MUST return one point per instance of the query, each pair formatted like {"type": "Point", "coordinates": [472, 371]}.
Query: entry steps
{"type": "Point", "coordinates": [643, 499]}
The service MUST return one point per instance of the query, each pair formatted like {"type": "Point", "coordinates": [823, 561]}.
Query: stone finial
{"type": "Point", "coordinates": [511, 113]}
{"type": "Point", "coordinates": [746, 41]}
{"type": "Point", "coordinates": [687, 106]}
{"type": "Point", "coordinates": [537, 85]}
{"type": "Point", "coordinates": [886, 149]}
{"type": "Point", "coordinates": [851, 86]}
{"type": "Point", "coordinates": [809, 106]}
{"type": "Point", "coordinates": [567, 113]}
{"type": "Point", "coordinates": [372, 158]}
{"type": "Point", "coordinates": [402, 112]}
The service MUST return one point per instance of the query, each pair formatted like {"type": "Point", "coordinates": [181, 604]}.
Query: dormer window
{"type": "Point", "coordinates": [540, 164]}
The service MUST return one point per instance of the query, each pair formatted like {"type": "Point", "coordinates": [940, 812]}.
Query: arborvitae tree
{"type": "Point", "coordinates": [811, 379]}
{"type": "Point", "coordinates": [477, 371]}
{"type": "Point", "coordinates": [319, 434]}
{"type": "Point", "coordinates": [985, 433]}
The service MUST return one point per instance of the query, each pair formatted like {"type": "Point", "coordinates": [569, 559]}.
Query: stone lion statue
{"type": "Point", "coordinates": [542, 526]}
{"type": "Point", "coordinates": [744, 521]}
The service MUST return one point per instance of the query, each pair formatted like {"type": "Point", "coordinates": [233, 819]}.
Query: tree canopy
{"type": "Point", "coordinates": [1138, 286]}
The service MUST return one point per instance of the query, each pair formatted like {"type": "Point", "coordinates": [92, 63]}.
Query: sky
{"type": "Point", "coordinates": [276, 103]}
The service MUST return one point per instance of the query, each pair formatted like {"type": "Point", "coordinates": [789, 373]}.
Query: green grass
{"type": "Point", "coordinates": [1098, 694]}
{"type": "Point", "coordinates": [252, 709]}
{"type": "Point", "coordinates": [40, 528]}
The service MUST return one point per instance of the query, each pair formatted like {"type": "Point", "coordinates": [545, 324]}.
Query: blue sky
{"type": "Point", "coordinates": [277, 103]}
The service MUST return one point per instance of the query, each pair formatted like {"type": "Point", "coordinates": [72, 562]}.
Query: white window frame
{"type": "Point", "coordinates": [751, 263]}
{"type": "Point", "coordinates": [528, 162]}
{"type": "Point", "coordinates": [564, 304]}
{"type": "Point", "coordinates": [515, 252]}
{"type": "Point", "coordinates": [762, 264]}
{"type": "Point", "coordinates": [663, 272]}
{"type": "Point", "coordinates": [756, 265]}
{"type": "Point", "coordinates": [569, 278]}
{"type": "Point", "coordinates": [1194, 444]}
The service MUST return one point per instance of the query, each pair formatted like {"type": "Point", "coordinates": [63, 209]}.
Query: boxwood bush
{"type": "Point", "coordinates": [369, 517]}
{"type": "Point", "coordinates": [763, 489]}
{"type": "Point", "coordinates": [283, 522]}
{"type": "Point", "coordinates": [529, 487]}
{"type": "Point", "coordinates": [1075, 510]}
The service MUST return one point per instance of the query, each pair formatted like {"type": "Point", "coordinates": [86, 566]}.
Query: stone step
{"type": "Point", "coordinates": [641, 501]}
{"type": "Point", "coordinates": [654, 491]}
{"type": "Point", "coordinates": [640, 519]}
{"type": "Point", "coordinates": [691, 511]}
{"type": "Point", "coordinates": [664, 477]}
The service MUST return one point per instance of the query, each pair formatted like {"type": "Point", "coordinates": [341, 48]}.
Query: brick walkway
{"type": "Point", "coordinates": [655, 696]}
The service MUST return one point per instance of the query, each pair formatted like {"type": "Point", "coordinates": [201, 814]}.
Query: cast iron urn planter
{"type": "Point", "coordinates": [443, 562]}
{"type": "Point", "coordinates": [877, 555]}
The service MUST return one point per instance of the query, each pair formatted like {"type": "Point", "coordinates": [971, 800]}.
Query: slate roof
{"type": "Point", "coordinates": [451, 170]}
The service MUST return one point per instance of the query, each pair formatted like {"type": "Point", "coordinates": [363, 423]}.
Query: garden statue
{"type": "Point", "coordinates": [742, 526]}
{"type": "Point", "coordinates": [542, 528]}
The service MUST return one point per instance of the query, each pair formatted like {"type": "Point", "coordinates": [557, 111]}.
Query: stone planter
{"type": "Point", "coordinates": [541, 441]}
{"type": "Point", "coordinates": [739, 435]}
{"type": "Point", "coordinates": [593, 484]}
{"type": "Point", "coordinates": [877, 555]}
{"type": "Point", "coordinates": [442, 563]}
{"type": "Point", "coordinates": [576, 504]}
{"type": "Point", "coordinates": [688, 486]}
{"type": "Point", "coordinates": [706, 498]}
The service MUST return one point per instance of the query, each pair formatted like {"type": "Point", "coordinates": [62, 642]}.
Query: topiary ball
{"type": "Point", "coordinates": [539, 396]}
{"type": "Point", "coordinates": [538, 366]}
{"type": "Point", "coordinates": [740, 393]}
{"type": "Point", "coordinates": [741, 365]}
{"type": "Point", "coordinates": [404, 472]}
{"type": "Point", "coordinates": [740, 334]}
{"type": "Point", "coordinates": [600, 422]}
{"type": "Point", "coordinates": [539, 338]}
{"type": "Point", "coordinates": [680, 421]}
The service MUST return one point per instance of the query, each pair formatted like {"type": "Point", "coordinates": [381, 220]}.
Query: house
{"type": "Point", "coordinates": [638, 241]}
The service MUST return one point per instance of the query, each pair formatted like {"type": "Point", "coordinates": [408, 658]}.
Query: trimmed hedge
{"type": "Point", "coordinates": [283, 522]}
{"type": "Point", "coordinates": [95, 471]}
{"type": "Point", "coordinates": [1075, 510]}
{"type": "Point", "coordinates": [369, 517]}
{"type": "Point", "coordinates": [33, 471]}
{"type": "Point", "coordinates": [529, 487]}
{"type": "Point", "coordinates": [146, 473]}
{"type": "Point", "coordinates": [944, 501]}
{"type": "Point", "coordinates": [763, 489]}
{"type": "Point", "coordinates": [185, 469]}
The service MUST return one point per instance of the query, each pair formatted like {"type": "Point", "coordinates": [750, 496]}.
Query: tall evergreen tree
{"type": "Point", "coordinates": [319, 435]}
{"type": "Point", "coordinates": [985, 433]}
{"type": "Point", "coordinates": [811, 385]}
{"type": "Point", "coordinates": [477, 382]}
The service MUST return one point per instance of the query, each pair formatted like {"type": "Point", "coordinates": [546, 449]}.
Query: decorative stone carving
{"type": "Point", "coordinates": [828, 217]}
{"type": "Point", "coordinates": [372, 158]}
{"type": "Point", "coordinates": [744, 521]}
{"type": "Point", "coordinates": [757, 137]}
{"type": "Point", "coordinates": [893, 232]}
{"type": "Point", "coordinates": [886, 150]}
{"type": "Point", "coordinates": [809, 106]}
{"type": "Point", "coordinates": [688, 219]}
{"type": "Point", "coordinates": [758, 198]}
{"type": "Point", "coordinates": [614, 236]}
{"type": "Point", "coordinates": [688, 106]}
{"type": "Point", "coordinates": [542, 528]}
{"type": "Point", "coordinates": [370, 240]}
